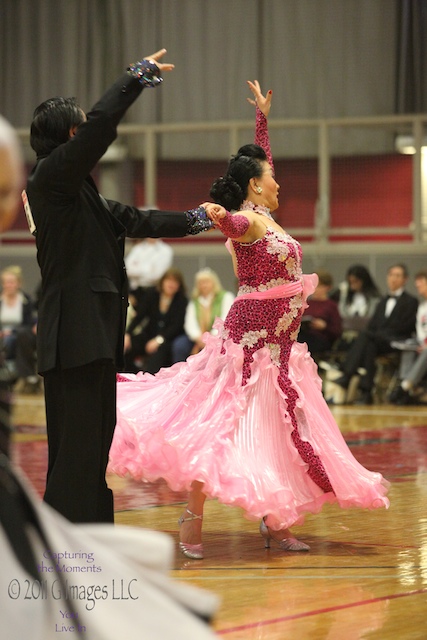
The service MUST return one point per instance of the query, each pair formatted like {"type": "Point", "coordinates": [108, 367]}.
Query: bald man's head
{"type": "Point", "coordinates": [11, 174]}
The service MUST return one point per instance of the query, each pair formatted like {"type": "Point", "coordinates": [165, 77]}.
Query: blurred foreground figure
{"type": "Point", "coordinates": [11, 177]}
{"type": "Point", "coordinates": [146, 263]}
{"type": "Point", "coordinates": [96, 581]}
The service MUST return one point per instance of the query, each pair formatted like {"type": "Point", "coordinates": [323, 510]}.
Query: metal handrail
{"type": "Point", "coordinates": [321, 231]}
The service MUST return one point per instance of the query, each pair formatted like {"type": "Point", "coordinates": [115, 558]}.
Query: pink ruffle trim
{"type": "Point", "coordinates": [195, 421]}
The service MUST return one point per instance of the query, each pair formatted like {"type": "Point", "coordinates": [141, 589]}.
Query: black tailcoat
{"type": "Point", "coordinates": [80, 242]}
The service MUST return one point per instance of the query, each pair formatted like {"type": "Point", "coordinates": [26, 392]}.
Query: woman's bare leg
{"type": "Point", "coordinates": [191, 529]}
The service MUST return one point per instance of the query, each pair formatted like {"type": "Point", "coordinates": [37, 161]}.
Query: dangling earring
{"type": "Point", "coordinates": [259, 190]}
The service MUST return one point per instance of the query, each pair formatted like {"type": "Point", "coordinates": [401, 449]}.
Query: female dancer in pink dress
{"type": "Point", "coordinates": [244, 420]}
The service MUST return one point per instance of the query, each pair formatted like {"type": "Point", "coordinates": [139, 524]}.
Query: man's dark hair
{"type": "Point", "coordinates": [400, 265]}
{"type": "Point", "coordinates": [421, 274]}
{"type": "Point", "coordinates": [52, 121]}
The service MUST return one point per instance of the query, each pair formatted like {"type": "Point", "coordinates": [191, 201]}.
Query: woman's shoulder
{"type": "Point", "coordinates": [150, 301]}
{"type": "Point", "coordinates": [250, 215]}
{"type": "Point", "coordinates": [332, 305]}
{"type": "Point", "coordinates": [27, 299]}
{"type": "Point", "coordinates": [152, 291]}
{"type": "Point", "coordinates": [260, 224]}
{"type": "Point", "coordinates": [422, 308]}
{"type": "Point", "coordinates": [180, 297]}
{"type": "Point", "coordinates": [227, 295]}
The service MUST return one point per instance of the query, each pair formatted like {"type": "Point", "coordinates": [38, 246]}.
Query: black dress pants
{"type": "Point", "coordinates": [81, 417]}
{"type": "Point", "coordinates": [363, 353]}
{"type": "Point", "coordinates": [316, 343]}
{"type": "Point", "coordinates": [25, 352]}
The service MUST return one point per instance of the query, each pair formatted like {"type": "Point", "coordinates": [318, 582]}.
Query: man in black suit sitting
{"type": "Point", "coordinates": [394, 319]}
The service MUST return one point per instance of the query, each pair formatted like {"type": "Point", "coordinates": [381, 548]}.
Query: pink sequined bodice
{"type": "Point", "coordinates": [274, 259]}
{"type": "Point", "coordinates": [268, 262]}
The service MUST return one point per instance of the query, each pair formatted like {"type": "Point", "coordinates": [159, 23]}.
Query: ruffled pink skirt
{"type": "Point", "coordinates": [195, 421]}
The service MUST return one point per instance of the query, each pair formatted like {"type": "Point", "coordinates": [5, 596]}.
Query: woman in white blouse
{"type": "Point", "coordinates": [208, 301]}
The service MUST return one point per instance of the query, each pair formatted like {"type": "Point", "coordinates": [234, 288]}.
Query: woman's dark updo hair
{"type": "Point", "coordinates": [231, 190]}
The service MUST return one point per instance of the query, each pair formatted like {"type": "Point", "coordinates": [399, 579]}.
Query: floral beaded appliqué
{"type": "Point", "coordinates": [284, 323]}
{"type": "Point", "coordinates": [276, 245]}
{"type": "Point", "coordinates": [250, 338]}
{"type": "Point", "coordinates": [225, 333]}
{"type": "Point", "coordinates": [274, 353]}
{"type": "Point", "coordinates": [275, 282]}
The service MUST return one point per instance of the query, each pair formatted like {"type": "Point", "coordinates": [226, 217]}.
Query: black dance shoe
{"type": "Point", "coordinates": [401, 397]}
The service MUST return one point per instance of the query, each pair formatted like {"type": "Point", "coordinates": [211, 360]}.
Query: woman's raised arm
{"type": "Point", "coordinates": [262, 105]}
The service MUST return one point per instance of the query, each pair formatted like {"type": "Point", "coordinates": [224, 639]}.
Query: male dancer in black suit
{"type": "Point", "coordinates": [394, 319]}
{"type": "Point", "coordinates": [82, 310]}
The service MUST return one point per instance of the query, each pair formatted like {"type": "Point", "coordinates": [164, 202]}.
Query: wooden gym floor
{"type": "Point", "coordinates": [366, 573]}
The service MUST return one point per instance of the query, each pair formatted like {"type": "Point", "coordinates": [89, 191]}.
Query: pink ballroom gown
{"type": "Point", "coordinates": [246, 415]}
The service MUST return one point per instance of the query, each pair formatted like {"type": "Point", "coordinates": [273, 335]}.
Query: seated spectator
{"type": "Point", "coordinates": [393, 319]}
{"type": "Point", "coordinates": [208, 301]}
{"type": "Point", "coordinates": [357, 297]}
{"type": "Point", "coordinates": [146, 263]}
{"type": "Point", "coordinates": [17, 322]}
{"type": "Point", "coordinates": [158, 320]}
{"type": "Point", "coordinates": [413, 362]}
{"type": "Point", "coordinates": [321, 321]}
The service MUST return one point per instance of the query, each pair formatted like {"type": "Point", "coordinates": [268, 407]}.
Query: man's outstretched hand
{"type": "Point", "coordinates": [162, 66]}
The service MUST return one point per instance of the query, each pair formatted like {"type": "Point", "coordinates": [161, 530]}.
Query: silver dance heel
{"type": "Point", "coordinates": [194, 551]}
{"type": "Point", "coordinates": [287, 544]}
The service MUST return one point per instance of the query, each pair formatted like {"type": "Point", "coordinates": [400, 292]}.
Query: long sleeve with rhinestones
{"type": "Point", "coordinates": [234, 226]}
{"type": "Point", "coordinates": [262, 138]}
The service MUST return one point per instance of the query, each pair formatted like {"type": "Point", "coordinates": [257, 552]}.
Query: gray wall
{"type": "Point", "coordinates": [321, 58]}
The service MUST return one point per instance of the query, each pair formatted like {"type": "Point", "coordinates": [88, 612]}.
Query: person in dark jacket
{"type": "Point", "coordinates": [321, 322]}
{"type": "Point", "coordinates": [84, 294]}
{"type": "Point", "coordinates": [159, 319]}
{"type": "Point", "coordinates": [393, 319]}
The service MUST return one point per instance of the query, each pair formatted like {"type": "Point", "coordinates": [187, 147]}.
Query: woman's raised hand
{"type": "Point", "coordinates": [263, 102]}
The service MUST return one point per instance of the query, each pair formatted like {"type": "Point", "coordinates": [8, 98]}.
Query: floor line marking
{"type": "Point", "coordinates": [286, 577]}
{"type": "Point", "coordinates": [315, 612]}
{"type": "Point", "coordinates": [293, 568]}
